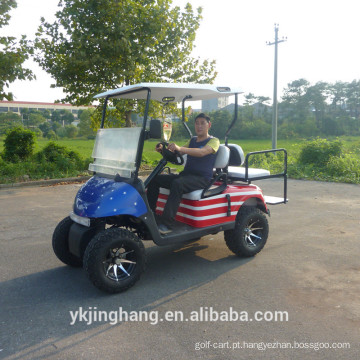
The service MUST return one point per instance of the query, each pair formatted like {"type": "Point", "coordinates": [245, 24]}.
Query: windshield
{"type": "Point", "coordinates": [115, 151]}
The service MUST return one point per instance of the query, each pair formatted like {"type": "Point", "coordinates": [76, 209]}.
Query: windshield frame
{"type": "Point", "coordinates": [145, 118]}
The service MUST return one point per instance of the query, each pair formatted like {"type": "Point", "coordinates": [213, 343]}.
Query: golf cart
{"type": "Point", "coordinates": [111, 216]}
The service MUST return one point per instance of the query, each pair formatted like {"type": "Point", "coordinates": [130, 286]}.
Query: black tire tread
{"type": "Point", "coordinates": [233, 237]}
{"type": "Point", "coordinates": [91, 259]}
{"type": "Point", "coordinates": [61, 246]}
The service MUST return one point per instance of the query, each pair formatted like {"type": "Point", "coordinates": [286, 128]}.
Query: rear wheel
{"type": "Point", "coordinates": [250, 233]}
{"type": "Point", "coordinates": [60, 243]}
{"type": "Point", "coordinates": [114, 260]}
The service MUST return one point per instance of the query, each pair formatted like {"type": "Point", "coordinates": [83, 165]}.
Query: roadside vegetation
{"type": "Point", "coordinates": [335, 160]}
{"type": "Point", "coordinates": [319, 124]}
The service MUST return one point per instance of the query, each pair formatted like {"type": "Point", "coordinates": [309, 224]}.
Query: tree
{"type": "Point", "coordinates": [8, 121]}
{"type": "Point", "coordinates": [295, 104]}
{"type": "Point", "coordinates": [85, 123]}
{"type": "Point", "coordinates": [35, 119]}
{"type": "Point", "coordinates": [62, 116]}
{"type": "Point", "coordinates": [13, 53]}
{"type": "Point", "coordinates": [353, 98]}
{"type": "Point", "coordinates": [71, 131]}
{"type": "Point", "coordinates": [337, 94]}
{"type": "Point", "coordinates": [316, 97]}
{"type": "Point", "coordinates": [98, 45]}
{"type": "Point", "coordinates": [45, 127]}
{"type": "Point", "coordinates": [250, 99]}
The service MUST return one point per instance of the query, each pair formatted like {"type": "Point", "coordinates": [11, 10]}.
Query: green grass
{"type": "Point", "coordinates": [344, 169]}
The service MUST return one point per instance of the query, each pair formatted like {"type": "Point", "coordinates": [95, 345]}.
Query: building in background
{"type": "Point", "coordinates": [17, 106]}
{"type": "Point", "coordinates": [214, 104]}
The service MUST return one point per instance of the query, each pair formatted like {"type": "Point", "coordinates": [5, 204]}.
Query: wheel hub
{"type": "Point", "coordinates": [250, 236]}
{"type": "Point", "coordinates": [118, 266]}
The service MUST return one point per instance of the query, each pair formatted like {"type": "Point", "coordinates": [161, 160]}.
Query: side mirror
{"type": "Point", "coordinates": [155, 129]}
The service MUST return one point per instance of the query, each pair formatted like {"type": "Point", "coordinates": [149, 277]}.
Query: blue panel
{"type": "Point", "coordinates": [101, 197]}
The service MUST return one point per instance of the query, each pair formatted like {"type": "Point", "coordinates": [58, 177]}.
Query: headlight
{"type": "Point", "coordinates": [80, 219]}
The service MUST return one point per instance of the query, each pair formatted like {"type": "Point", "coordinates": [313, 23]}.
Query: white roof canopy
{"type": "Point", "coordinates": [167, 90]}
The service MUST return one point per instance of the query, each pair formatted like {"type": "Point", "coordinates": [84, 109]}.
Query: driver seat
{"type": "Point", "coordinates": [221, 162]}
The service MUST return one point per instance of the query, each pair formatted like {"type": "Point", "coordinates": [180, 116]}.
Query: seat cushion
{"type": "Point", "coordinates": [194, 195]}
{"type": "Point", "coordinates": [237, 172]}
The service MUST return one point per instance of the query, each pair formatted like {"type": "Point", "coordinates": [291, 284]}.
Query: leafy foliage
{"type": "Point", "coordinates": [85, 124]}
{"type": "Point", "coordinates": [320, 151]}
{"type": "Point", "coordinates": [9, 121]}
{"type": "Point", "coordinates": [19, 144]}
{"type": "Point", "coordinates": [62, 116]}
{"type": "Point", "coordinates": [327, 109]}
{"type": "Point", "coordinates": [99, 45]}
{"type": "Point", "coordinates": [13, 53]}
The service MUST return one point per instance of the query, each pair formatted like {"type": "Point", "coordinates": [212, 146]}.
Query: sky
{"type": "Point", "coordinates": [323, 42]}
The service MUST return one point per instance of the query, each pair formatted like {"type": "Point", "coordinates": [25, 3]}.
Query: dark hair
{"type": "Point", "coordinates": [204, 116]}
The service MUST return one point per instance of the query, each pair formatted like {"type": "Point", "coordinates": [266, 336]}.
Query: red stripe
{"type": "Point", "coordinates": [210, 202]}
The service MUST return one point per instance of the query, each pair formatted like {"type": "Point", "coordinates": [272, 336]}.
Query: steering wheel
{"type": "Point", "coordinates": [179, 158]}
{"type": "Point", "coordinates": [174, 157]}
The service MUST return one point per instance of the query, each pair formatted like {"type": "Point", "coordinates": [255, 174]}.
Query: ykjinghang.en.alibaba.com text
{"type": "Point", "coordinates": [92, 315]}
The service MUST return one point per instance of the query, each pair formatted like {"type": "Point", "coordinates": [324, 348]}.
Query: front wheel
{"type": "Point", "coordinates": [114, 260]}
{"type": "Point", "coordinates": [60, 243]}
{"type": "Point", "coordinates": [250, 233]}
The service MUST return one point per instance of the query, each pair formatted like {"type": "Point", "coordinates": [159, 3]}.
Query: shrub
{"type": "Point", "coordinates": [345, 168]}
{"type": "Point", "coordinates": [71, 131]}
{"type": "Point", "coordinates": [319, 152]}
{"type": "Point", "coordinates": [53, 152]}
{"type": "Point", "coordinates": [51, 135]}
{"type": "Point", "coordinates": [37, 132]}
{"type": "Point", "coordinates": [61, 132]}
{"type": "Point", "coordinates": [19, 144]}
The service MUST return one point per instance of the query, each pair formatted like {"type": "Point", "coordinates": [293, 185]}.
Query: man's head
{"type": "Point", "coordinates": [202, 125]}
{"type": "Point", "coordinates": [204, 116]}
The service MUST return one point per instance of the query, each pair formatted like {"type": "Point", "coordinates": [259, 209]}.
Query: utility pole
{"type": "Point", "coordinates": [275, 104]}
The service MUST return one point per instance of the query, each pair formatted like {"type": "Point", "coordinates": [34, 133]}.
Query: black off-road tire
{"type": "Point", "coordinates": [114, 260]}
{"type": "Point", "coordinates": [60, 243]}
{"type": "Point", "coordinates": [250, 233]}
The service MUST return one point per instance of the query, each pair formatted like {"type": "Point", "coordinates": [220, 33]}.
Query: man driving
{"type": "Point", "coordinates": [198, 171]}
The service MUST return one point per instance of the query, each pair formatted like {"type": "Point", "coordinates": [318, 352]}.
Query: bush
{"type": "Point", "coordinates": [55, 153]}
{"type": "Point", "coordinates": [61, 132]}
{"type": "Point", "coordinates": [319, 152]}
{"type": "Point", "coordinates": [71, 131]}
{"type": "Point", "coordinates": [37, 132]}
{"type": "Point", "coordinates": [345, 168]}
{"type": "Point", "coordinates": [19, 144]}
{"type": "Point", "coordinates": [51, 135]}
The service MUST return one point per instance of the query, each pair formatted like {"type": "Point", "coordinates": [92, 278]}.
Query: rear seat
{"type": "Point", "coordinates": [233, 155]}
{"type": "Point", "coordinates": [235, 171]}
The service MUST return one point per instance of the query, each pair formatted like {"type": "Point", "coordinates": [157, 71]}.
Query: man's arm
{"type": "Point", "coordinates": [197, 152]}
{"type": "Point", "coordinates": [206, 150]}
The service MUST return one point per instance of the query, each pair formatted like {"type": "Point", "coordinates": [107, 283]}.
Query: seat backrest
{"type": "Point", "coordinates": [237, 156]}
{"type": "Point", "coordinates": [222, 157]}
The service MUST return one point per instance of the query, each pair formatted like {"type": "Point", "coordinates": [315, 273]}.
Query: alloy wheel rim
{"type": "Point", "coordinates": [120, 263]}
{"type": "Point", "coordinates": [253, 234]}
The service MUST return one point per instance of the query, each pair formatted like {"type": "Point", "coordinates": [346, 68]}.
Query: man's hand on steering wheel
{"type": "Point", "coordinates": [170, 153]}
{"type": "Point", "coordinates": [159, 147]}
{"type": "Point", "coordinates": [174, 148]}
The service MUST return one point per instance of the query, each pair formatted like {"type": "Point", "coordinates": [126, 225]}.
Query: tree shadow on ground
{"type": "Point", "coordinates": [36, 307]}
